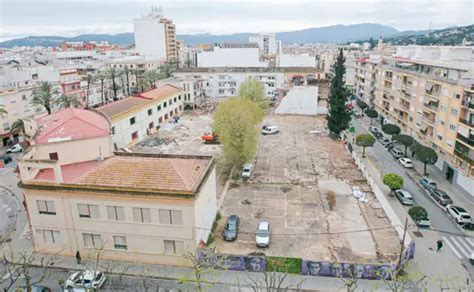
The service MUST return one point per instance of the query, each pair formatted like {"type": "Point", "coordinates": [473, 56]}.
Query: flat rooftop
{"type": "Point", "coordinates": [154, 173]}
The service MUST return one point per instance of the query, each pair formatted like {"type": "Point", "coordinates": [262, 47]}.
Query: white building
{"type": "Point", "coordinates": [135, 117]}
{"type": "Point", "coordinates": [155, 36]}
{"type": "Point", "coordinates": [296, 60]}
{"type": "Point", "coordinates": [230, 55]}
{"type": "Point", "coordinates": [267, 43]}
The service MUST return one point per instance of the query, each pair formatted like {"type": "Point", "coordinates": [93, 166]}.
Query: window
{"type": "Point", "coordinates": [457, 96]}
{"type": "Point", "coordinates": [132, 121]}
{"type": "Point", "coordinates": [120, 242]}
{"type": "Point", "coordinates": [134, 135]}
{"type": "Point", "coordinates": [150, 112]}
{"type": "Point", "coordinates": [112, 130]}
{"type": "Point", "coordinates": [174, 247]}
{"type": "Point", "coordinates": [179, 97]}
{"type": "Point", "coordinates": [170, 101]}
{"type": "Point", "coordinates": [175, 99]}
{"type": "Point", "coordinates": [50, 236]}
{"type": "Point", "coordinates": [164, 104]}
{"type": "Point", "coordinates": [171, 217]}
{"type": "Point", "coordinates": [440, 137]}
{"type": "Point", "coordinates": [54, 156]}
{"type": "Point", "coordinates": [92, 240]}
{"type": "Point", "coordinates": [454, 112]}
{"type": "Point", "coordinates": [141, 215]}
{"type": "Point", "coordinates": [158, 108]}
{"type": "Point", "coordinates": [46, 207]}
{"type": "Point", "coordinates": [441, 122]}
{"type": "Point", "coordinates": [115, 213]}
{"type": "Point", "coordinates": [88, 211]}
{"type": "Point", "coordinates": [450, 143]}
{"type": "Point", "coordinates": [452, 127]}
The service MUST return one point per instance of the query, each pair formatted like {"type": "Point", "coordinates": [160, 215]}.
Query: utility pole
{"type": "Point", "coordinates": [402, 245]}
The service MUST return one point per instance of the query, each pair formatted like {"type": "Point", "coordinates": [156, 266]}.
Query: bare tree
{"type": "Point", "coordinates": [399, 280]}
{"type": "Point", "coordinates": [272, 282]}
{"type": "Point", "coordinates": [21, 266]}
{"type": "Point", "coordinates": [350, 282]}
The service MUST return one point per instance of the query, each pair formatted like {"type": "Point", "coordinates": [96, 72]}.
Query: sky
{"type": "Point", "coordinates": [20, 18]}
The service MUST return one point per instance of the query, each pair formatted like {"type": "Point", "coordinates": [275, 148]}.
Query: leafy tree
{"type": "Point", "coordinates": [167, 69]}
{"type": "Point", "coordinates": [393, 181]}
{"type": "Point", "coordinates": [426, 155]}
{"type": "Point", "coordinates": [418, 213]}
{"type": "Point", "coordinates": [112, 73]}
{"type": "Point", "coordinates": [391, 129]}
{"type": "Point", "coordinates": [362, 105]}
{"type": "Point", "coordinates": [67, 101]}
{"type": "Point", "coordinates": [372, 114]}
{"type": "Point", "coordinates": [365, 140]}
{"type": "Point", "coordinates": [405, 140]}
{"type": "Point", "coordinates": [151, 76]}
{"type": "Point", "coordinates": [102, 77]}
{"type": "Point", "coordinates": [253, 90]}
{"type": "Point", "coordinates": [339, 116]}
{"type": "Point", "coordinates": [44, 96]}
{"type": "Point", "coordinates": [235, 122]}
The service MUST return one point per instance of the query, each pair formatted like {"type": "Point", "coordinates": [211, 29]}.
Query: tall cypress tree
{"type": "Point", "coordinates": [338, 115]}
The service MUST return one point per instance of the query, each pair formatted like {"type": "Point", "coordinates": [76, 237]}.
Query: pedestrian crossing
{"type": "Point", "coordinates": [461, 246]}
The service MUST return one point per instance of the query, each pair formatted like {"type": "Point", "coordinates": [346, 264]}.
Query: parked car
{"type": "Point", "coordinates": [15, 149]}
{"type": "Point", "coordinates": [420, 216]}
{"type": "Point", "coordinates": [247, 170]}
{"type": "Point", "coordinates": [378, 135]}
{"type": "Point", "coordinates": [405, 162]}
{"type": "Point", "coordinates": [231, 228]}
{"type": "Point", "coordinates": [441, 197]}
{"type": "Point", "coordinates": [390, 145]}
{"type": "Point", "coordinates": [268, 130]}
{"type": "Point", "coordinates": [428, 184]}
{"type": "Point", "coordinates": [262, 237]}
{"type": "Point", "coordinates": [6, 159]}
{"type": "Point", "coordinates": [373, 130]}
{"type": "Point", "coordinates": [404, 197]}
{"type": "Point", "coordinates": [396, 153]}
{"type": "Point", "coordinates": [86, 279]}
{"type": "Point", "coordinates": [459, 214]}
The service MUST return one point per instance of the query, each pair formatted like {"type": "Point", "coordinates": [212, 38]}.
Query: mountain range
{"type": "Point", "coordinates": [327, 34]}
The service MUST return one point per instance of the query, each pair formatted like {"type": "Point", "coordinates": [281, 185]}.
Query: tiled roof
{"type": "Point", "coordinates": [71, 124]}
{"type": "Point", "coordinates": [169, 174]}
{"type": "Point", "coordinates": [118, 107]}
{"type": "Point", "coordinates": [160, 93]}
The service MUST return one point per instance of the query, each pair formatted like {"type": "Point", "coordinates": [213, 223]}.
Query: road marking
{"type": "Point", "coordinates": [470, 241]}
{"type": "Point", "coordinates": [460, 247]}
{"type": "Point", "coordinates": [452, 248]}
{"type": "Point", "coordinates": [468, 248]}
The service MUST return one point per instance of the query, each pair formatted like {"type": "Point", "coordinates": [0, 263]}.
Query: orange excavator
{"type": "Point", "coordinates": [211, 138]}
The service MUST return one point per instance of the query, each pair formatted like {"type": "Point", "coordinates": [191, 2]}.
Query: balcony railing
{"type": "Point", "coordinates": [466, 122]}
{"type": "Point", "coordinates": [469, 141]}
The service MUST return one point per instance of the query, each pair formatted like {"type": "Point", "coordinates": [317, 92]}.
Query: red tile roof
{"type": "Point", "coordinates": [69, 171]}
{"type": "Point", "coordinates": [160, 93]}
{"type": "Point", "coordinates": [71, 124]}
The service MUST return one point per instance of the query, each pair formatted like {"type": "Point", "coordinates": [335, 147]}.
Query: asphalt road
{"type": "Point", "coordinates": [439, 218]}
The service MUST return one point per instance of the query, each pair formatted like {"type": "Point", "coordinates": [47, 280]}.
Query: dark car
{"type": "Point", "coordinates": [441, 197]}
{"type": "Point", "coordinates": [6, 159]}
{"type": "Point", "coordinates": [231, 228]}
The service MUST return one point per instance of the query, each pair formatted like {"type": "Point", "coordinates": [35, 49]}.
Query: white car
{"type": "Point", "coordinates": [405, 162]}
{"type": "Point", "coordinates": [86, 279]}
{"type": "Point", "coordinates": [247, 171]}
{"type": "Point", "coordinates": [262, 237]}
{"type": "Point", "coordinates": [15, 149]}
{"type": "Point", "coordinates": [373, 129]}
{"type": "Point", "coordinates": [268, 130]}
{"type": "Point", "coordinates": [459, 214]}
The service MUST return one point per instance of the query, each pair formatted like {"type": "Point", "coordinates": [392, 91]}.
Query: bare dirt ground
{"type": "Point", "coordinates": [294, 171]}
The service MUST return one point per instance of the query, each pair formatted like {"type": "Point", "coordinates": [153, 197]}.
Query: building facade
{"type": "Point", "coordinates": [231, 55]}
{"type": "Point", "coordinates": [267, 43]}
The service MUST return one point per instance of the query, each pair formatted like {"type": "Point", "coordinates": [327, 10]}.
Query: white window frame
{"type": "Point", "coordinates": [96, 240]}
{"type": "Point", "coordinates": [89, 214]}
{"type": "Point", "coordinates": [175, 248]}
{"type": "Point", "coordinates": [120, 242]}
{"type": "Point", "coordinates": [50, 236]}
{"type": "Point", "coordinates": [46, 207]}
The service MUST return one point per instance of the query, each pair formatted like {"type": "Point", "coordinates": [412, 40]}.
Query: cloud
{"type": "Point", "coordinates": [70, 17]}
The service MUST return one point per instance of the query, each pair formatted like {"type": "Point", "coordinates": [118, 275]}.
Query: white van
{"type": "Point", "coordinates": [268, 130]}
{"type": "Point", "coordinates": [396, 153]}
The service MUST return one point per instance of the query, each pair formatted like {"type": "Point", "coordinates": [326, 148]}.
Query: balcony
{"type": "Point", "coordinates": [433, 106]}
{"type": "Point", "coordinates": [433, 90]}
{"type": "Point", "coordinates": [428, 120]}
{"type": "Point", "coordinates": [467, 123]}
{"type": "Point", "coordinates": [463, 153]}
{"type": "Point", "coordinates": [467, 140]}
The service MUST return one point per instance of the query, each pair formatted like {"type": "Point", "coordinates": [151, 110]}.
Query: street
{"type": "Point", "coordinates": [453, 236]}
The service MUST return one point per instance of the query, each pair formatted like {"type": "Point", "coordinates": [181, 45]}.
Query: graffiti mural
{"type": "Point", "coordinates": [232, 262]}
{"type": "Point", "coordinates": [361, 271]}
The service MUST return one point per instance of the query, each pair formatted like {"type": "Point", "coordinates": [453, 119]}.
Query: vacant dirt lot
{"type": "Point", "coordinates": [294, 172]}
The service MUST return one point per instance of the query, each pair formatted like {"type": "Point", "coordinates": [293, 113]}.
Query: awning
{"type": "Point", "coordinates": [406, 64]}
{"type": "Point", "coordinates": [423, 127]}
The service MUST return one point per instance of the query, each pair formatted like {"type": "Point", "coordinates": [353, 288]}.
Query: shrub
{"type": "Point", "coordinates": [393, 181]}
{"type": "Point", "coordinates": [284, 265]}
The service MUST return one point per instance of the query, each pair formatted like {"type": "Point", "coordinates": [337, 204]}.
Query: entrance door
{"type": "Point", "coordinates": [449, 174]}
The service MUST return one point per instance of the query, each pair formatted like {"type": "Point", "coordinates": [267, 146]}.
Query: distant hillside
{"type": "Point", "coordinates": [329, 34]}
{"type": "Point", "coordinates": [444, 37]}
{"type": "Point", "coordinates": [335, 33]}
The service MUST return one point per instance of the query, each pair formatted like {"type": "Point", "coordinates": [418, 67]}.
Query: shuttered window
{"type": "Point", "coordinates": [115, 213]}
{"type": "Point", "coordinates": [46, 207]}
{"type": "Point", "coordinates": [141, 215]}
{"type": "Point", "coordinates": [171, 217]}
{"type": "Point", "coordinates": [88, 211]}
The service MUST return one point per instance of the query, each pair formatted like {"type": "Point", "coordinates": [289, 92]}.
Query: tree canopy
{"type": "Point", "coordinates": [365, 140]}
{"type": "Point", "coordinates": [44, 96]}
{"type": "Point", "coordinates": [405, 140]}
{"type": "Point", "coordinates": [338, 116]}
{"type": "Point", "coordinates": [362, 104]}
{"type": "Point", "coordinates": [391, 129]}
{"type": "Point", "coordinates": [372, 114]}
{"type": "Point", "coordinates": [393, 181]}
{"type": "Point", "coordinates": [67, 101]}
{"type": "Point", "coordinates": [426, 155]}
{"type": "Point", "coordinates": [253, 90]}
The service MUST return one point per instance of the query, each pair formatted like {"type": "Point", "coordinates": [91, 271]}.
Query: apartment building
{"type": "Point", "coordinates": [430, 100]}
{"type": "Point", "coordinates": [192, 89]}
{"type": "Point", "coordinates": [71, 83]}
{"type": "Point", "coordinates": [365, 73]}
{"type": "Point", "coordinates": [231, 55]}
{"type": "Point", "coordinates": [155, 36]}
{"type": "Point", "coordinates": [142, 208]}
{"type": "Point", "coordinates": [136, 65]}
{"type": "Point", "coordinates": [267, 43]}
{"type": "Point", "coordinates": [135, 117]}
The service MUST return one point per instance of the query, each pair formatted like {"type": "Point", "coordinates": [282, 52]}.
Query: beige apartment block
{"type": "Point", "coordinates": [431, 101]}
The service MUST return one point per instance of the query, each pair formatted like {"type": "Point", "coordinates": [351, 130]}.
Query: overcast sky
{"type": "Point", "coordinates": [19, 18]}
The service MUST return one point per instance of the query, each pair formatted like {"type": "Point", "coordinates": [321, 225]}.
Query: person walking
{"type": "Point", "coordinates": [439, 244]}
{"type": "Point", "coordinates": [78, 257]}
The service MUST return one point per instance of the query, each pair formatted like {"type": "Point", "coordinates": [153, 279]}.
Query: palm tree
{"type": "Point", "coordinates": [126, 72]}
{"type": "Point", "coordinates": [142, 85]}
{"type": "Point", "coordinates": [90, 78]}
{"type": "Point", "coordinates": [151, 77]}
{"type": "Point", "coordinates": [67, 101]}
{"type": "Point", "coordinates": [18, 125]}
{"type": "Point", "coordinates": [44, 96]}
{"type": "Point", "coordinates": [167, 70]}
{"type": "Point", "coordinates": [112, 73]}
{"type": "Point", "coordinates": [3, 111]}
{"type": "Point", "coordinates": [101, 76]}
